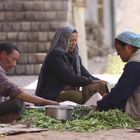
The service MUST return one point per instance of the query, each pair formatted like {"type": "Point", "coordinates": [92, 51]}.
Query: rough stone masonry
{"type": "Point", "coordinates": [30, 24]}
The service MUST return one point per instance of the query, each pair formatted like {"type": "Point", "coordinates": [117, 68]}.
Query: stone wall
{"type": "Point", "coordinates": [30, 24]}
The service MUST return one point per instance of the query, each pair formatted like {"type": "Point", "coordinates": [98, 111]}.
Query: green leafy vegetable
{"type": "Point", "coordinates": [85, 119]}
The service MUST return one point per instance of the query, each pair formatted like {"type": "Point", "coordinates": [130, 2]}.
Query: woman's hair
{"type": "Point", "coordinates": [75, 31]}
{"type": "Point", "coordinates": [123, 44]}
{"type": "Point", "coordinates": [8, 47]}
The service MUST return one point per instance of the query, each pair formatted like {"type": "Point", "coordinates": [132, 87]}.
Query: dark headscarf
{"type": "Point", "coordinates": [60, 42]}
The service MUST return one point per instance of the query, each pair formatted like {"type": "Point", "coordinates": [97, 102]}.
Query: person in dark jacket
{"type": "Point", "coordinates": [126, 93]}
{"type": "Point", "coordinates": [62, 71]}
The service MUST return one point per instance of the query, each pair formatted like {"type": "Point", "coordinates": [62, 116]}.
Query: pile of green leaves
{"type": "Point", "coordinates": [85, 119]}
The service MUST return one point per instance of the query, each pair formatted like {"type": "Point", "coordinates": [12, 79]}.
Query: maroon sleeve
{"type": "Point", "coordinates": [7, 88]}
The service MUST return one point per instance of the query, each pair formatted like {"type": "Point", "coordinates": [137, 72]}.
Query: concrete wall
{"type": "Point", "coordinates": [109, 23]}
{"type": "Point", "coordinates": [79, 23]}
{"type": "Point", "coordinates": [91, 11]}
{"type": "Point", "coordinates": [92, 15]}
{"type": "Point", "coordinates": [127, 15]}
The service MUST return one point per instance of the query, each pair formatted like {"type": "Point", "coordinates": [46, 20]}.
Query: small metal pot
{"type": "Point", "coordinates": [59, 112]}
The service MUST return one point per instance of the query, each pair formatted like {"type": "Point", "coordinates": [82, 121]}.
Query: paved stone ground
{"type": "Point", "coordinates": [25, 82]}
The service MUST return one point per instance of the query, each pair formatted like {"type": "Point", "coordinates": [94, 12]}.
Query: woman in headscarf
{"type": "Point", "coordinates": [62, 72]}
{"type": "Point", "coordinates": [125, 95]}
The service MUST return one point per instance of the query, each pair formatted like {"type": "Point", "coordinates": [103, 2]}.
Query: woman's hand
{"type": "Point", "coordinates": [98, 86]}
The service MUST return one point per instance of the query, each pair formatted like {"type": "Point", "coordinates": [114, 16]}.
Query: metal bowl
{"type": "Point", "coordinates": [59, 112]}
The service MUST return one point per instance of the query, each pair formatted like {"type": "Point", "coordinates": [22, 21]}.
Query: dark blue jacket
{"type": "Point", "coordinates": [127, 84]}
{"type": "Point", "coordinates": [57, 72]}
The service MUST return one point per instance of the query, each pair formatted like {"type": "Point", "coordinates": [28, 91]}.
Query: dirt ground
{"type": "Point", "coordinates": [114, 134]}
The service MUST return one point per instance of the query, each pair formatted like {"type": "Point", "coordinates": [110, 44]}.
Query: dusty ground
{"type": "Point", "coordinates": [114, 134]}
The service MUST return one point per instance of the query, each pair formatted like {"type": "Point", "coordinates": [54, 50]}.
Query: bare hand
{"type": "Point", "coordinates": [50, 102]}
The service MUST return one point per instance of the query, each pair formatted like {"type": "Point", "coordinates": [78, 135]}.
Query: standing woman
{"type": "Point", "coordinates": [62, 72]}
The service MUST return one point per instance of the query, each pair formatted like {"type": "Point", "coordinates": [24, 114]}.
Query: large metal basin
{"type": "Point", "coordinates": [59, 112]}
